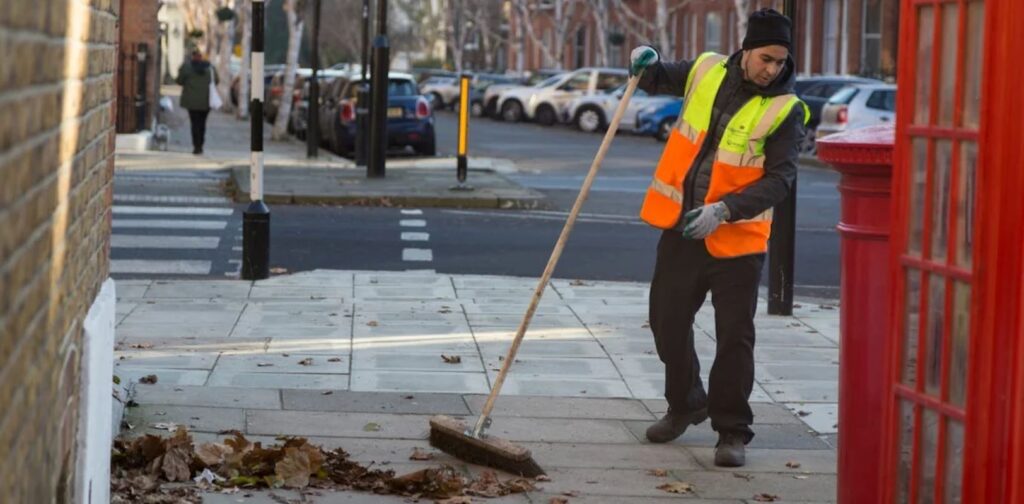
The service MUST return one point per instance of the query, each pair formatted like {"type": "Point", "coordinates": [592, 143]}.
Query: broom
{"type": "Point", "coordinates": [473, 445]}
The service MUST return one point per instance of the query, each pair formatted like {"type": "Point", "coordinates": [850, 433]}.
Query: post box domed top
{"type": "Point", "coordinates": [860, 148]}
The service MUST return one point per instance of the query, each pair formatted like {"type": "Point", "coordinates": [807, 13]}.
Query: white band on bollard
{"type": "Point", "coordinates": [257, 76]}
{"type": "Point", "coordinates": [256, 177]}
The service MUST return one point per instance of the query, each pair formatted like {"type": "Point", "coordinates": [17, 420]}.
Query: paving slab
{"type": "Point", "coordinates": [561, 430]}
{"type": "Point", "coordinates": [279, 496]}
{"type": "Point", "coordinates": [195, 418]}
{"type": "Point", "coordinates": [544, 348]}
{"type": "Point", "coordinates": [257, 318]}
{"type": "Point", "coordinates": [173, 289]}
{"type": "Point", "coordinates": [372, 402]}
{"type": "Point", "coordinates": [402, 279]}
{"type": "Point", "coordinates": [311, 292]}
{"type": "Point", "coordinates": [612, 456]}
{"type": "Point", "coordinates": [545, 498]}
{"type": "Point", "coordinates": [788, 337]}
{"type": "Point", "coordinates": [822, 417]}
{"type": "Point", "coordinates": [367, 292]}
{"type": "Point", "coordinates": [773, 461]}
{"type": "Point", "coordinates": [517, 384]}
{"type": "Point", "coordinates": [486, 308]}
{"type": "Point", "coordinates": [562, 407]}
{"type": "Point", "coordinates": [157, 358]}
{"type": "Point", "coordinates": [513, 320]}
{"type": "Point", "coordinates": [770, 373]}
{"type": "Point", "coordinates": [786, 436]}
{"type": "Point", "coordinates": [804, 391]}
{"type": "Point", "coordinates": [192, 395]}
{"type": "Point", "coordinates": [166, 376]}
{"type": "Point", "coordinates": [508, 333]}
{"type": "Point", "coordinates": [337, 424]}
{"type": "Point", "coordinates": [131, 289]}
{"type": "Point", "coordinates": [378, 330]}
{"type": "Point", "coordinates": [395, 360]}
{"type": "Point", "coordinates": [769, 354]}
{"type": "Point", "coordinates": [552, 367]}
{"type": "Point", "coordinates": [279, 380]}
{"type": "Point", "coordinates": [625, 484]}
{"type": "Point", "coordinates": [295, 332]}
{"type": "Point", "coordinates": [419, 381]}
{"type": "Point", "coordinates": [711, 484]}
{"type": "Point", "coordinates": [277, 363]}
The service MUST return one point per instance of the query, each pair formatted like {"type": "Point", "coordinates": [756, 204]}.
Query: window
{"type": "Point", "coordinates": [713, 32]}
{"type": "Point", "coordinates": [830, 34]}
{"type": "Point", "coordinates": [871, 52]}
{"type": "Point", "coordinates": [578, 82]}
{"type": "Point", "coordinates": [882, 100]}
{"type": "Point", "coordinates": [844, 96]}
{"type": "Point", "coordinates": [615, 50]}
{"type": "Point", "coordinates": [581, 47]}
{"type": "Point", "coordinates": [607, 81]}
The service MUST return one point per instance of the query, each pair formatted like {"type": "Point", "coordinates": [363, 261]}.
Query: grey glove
{"type": "Point", "coordinates": [641, 58]}
{"type": "Point", "coordinates": [701, 222]}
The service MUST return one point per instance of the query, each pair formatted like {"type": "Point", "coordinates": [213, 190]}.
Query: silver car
{"type": "Point", "coordinates": [441, 91]}
{"type": "Point", "coordinates": [592, 113]}
{"type": "Point", "coordinates": [858, 106]}
{"type": "Point", "coordinates": [545, 102]}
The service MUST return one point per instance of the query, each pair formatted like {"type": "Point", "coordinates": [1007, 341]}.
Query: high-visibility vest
{"type": "Point", "coordinates": [739, 161]}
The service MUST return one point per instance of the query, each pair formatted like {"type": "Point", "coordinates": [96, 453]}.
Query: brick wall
{"type": "Point", "coordinates": [56, 168]}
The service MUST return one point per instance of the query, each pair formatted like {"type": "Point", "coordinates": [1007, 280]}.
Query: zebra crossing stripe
{"type": "Point", "coordinates": [205, 225]}
{"type": "Point", "coordinates": [147, 266]}
{"type": "Point", "coordinates": [170, 210]}
{"type": "Point", "coordinates": [164, 242]}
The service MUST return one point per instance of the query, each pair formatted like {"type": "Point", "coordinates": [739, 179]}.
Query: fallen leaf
{"type": "Point", "coordinates": [167, 426]}
{"type": "Point", "coordinates": [800, 477]}
{"type": "Point", "coordinates": [285, 355]}
{"type": "Point", "coordinates": [297, 465]}
{"type": "Point", "coordinates": [371, 427]}
{"type": "Point", "coordinates": [213, 454]}
{"type": "Point", "coordinates": [178, 457]}
{"type": "Point", "coordinates": [661, 473]}
{"type": "Point", "coordinates": [542, 477]}
{"type": "Point", "coordinates": [278, 271]}
{"type": "Point", "coordinates": [148, 379]}
{"type": "Point", "coordinates": [792, 465]}
{"type": "Point", "coordinates": [141, 346]}
{"type": "Point", "coordinates": [558, 500]}
{"type": "Point", "coordinates": [766, 497]}
{"type": "Point", "coordinates": [372, 323]}
{"type": "Point", "coordinates": [571, 493]}
{"type": "Point", "coordinates": [334, 359]}
{"type": "Point", "coordinates": [577, 283]}
{"type": "Point", "coordinates": [743, 476]}
{"type": "Point", "coordinates": [263, 364]}
{"type": "Point", "coordinates": [308, 361]}
{"type": "Point", "coordinates": [327, 392]}
{"type": "Point", "coordinates": [418, 454]}
{"type": "Point", "coordinates": [451, 359]}
{"type": "Point", "coordinates": [676, 487]}
{"type": "Point", "coordinates": [409, 397]}
{"type": "Point", "coordinates": [462, 499]}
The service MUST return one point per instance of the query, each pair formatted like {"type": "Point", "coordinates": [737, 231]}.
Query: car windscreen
{"type": "Point", "coordinates": [844, 96]}
{"type": "Point", "coordinates": [548, 82]}
{"type": "Point", "coordinates": [402, 87]}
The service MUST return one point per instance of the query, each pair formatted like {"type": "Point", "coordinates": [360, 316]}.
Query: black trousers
{"type": "Point", "coordinates": [198, 120]}
{"type": "Point", "coordinates": [683, 275]}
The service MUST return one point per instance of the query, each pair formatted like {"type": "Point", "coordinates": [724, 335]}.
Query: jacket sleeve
{"type": "Point", "coordinates": [781, 153]}
{"type": "Point", "coordinates": [180, 80]}
{"type": "Point", "coordinates": [666, 78]}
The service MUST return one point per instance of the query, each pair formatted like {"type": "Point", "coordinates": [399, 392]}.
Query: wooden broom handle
{"type": "Point", "coordinates": [556, 253]}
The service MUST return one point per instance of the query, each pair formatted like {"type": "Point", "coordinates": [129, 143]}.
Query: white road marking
{"type": "Point", "coordinates": [169, 210]}
{"type": "Point", "coordinates": [164, 242]}
{"type": "Point", "coordinates": [412, 223]}
{"type": "Point", "coordinates": [170, 224]}
{"type": "Point", "coordinates": [143, 266]}
{"type": "Point", "coordinates": [412, 212]}
{"type": "Point", "coordinates": [179, 200]}
{"type": "Point", "coordinates": [415, 236]}
{"type": "Point", "coordinates": [419, 255]}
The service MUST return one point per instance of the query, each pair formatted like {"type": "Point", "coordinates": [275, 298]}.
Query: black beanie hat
{"type": "Point", "coordinates": [768, 27]}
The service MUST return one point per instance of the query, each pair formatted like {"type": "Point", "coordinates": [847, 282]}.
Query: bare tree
{"type": "Point", "coordinates": [562, 16]}
{"type": "Point", "coordinates": [456, 30]}
{"type": "Point", "coordinates": [742, 11]}
{"type": "Point", "coordinates": [658, 29]}
{"type": "Point", "coordinates": [244, 17]}
{"type": "Point", "coordinates": [293, 10]}
{"type": "Point", "coordinates": [487, 17]}
{"type": "Point", "coordinates": [599, 10]}
{"type": "Point", "coordinates": [226, 44]}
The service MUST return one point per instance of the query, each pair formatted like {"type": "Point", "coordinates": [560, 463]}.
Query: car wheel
{"type": "Point", "coordinates": [436, 102]}
{"type": "Point", "coordinates": [589, 119]}
{"type": "Point", "coordinates": [491, 108]}
{"type": "Point", "coordinates": [512, 111]}
{"type": "Point", "coordinates": [477, 109]}
{"type": "Point", "coordinates": [664, 130]}
{"type": "Point", "coordinates": [546, 115]}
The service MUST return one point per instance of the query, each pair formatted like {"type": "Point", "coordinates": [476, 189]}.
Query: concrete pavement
{"type": "Point", "coordinates": [330, 354]}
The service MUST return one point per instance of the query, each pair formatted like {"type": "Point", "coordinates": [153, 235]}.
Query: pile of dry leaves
{"type": "Point", "coordinates": [152, 470]}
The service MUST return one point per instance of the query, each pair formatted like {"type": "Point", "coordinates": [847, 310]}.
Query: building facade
{"type": "Point", "coordinates": [139, 58]}
{"type": "Point", "coordinates": [57, 92]}
{"type": "Point", "coordinates": [831, 36]}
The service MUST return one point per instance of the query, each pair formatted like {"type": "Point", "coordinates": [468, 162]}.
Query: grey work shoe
{"type": "Point", "coordinates": [673, 425]}
{"type": "Point", "coordinates": [730, 452]}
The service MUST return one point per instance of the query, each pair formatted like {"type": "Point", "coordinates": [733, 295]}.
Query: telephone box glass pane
{"type": "Point", "coordinates": [925, 34]}
{"type": "Point", "coordinates": [954, 461]}
{"type": "Point", "coordinates": [948, 65]}
{"type": "Point", "coordinates": [941, 170]}
{"type": "Point", "coordinates": [908, 369]}
{"type": "Point", "coordinates": [933, 334]}
{"type": "Point", "coordinates": [975, 35]}
{"type": "Point", "coordinates": [926, 456]}
{"type": "Point", "coordinates": [965, 204]}
{"type": "Point", "coordinates": [906, 450]}
{"type": "Point", "coordinates": [918, 174]}
{"type": "Point", "coordinates": [960, 344]}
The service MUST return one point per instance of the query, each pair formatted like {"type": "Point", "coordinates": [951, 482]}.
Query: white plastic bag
{"type": "Point", "coordinates": [215, 101]}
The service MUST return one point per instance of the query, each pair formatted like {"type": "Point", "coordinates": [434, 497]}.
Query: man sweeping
{"type": "Point", "coordinates": [730, 158]}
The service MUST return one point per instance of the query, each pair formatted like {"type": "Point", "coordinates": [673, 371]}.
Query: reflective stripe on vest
{"type": "Point", "coordinates": [738, 163]}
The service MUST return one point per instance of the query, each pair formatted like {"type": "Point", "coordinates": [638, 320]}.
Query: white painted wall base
{"type": "Point", "coordinates": [96, 407]}
{"type": "Point", "coordinates": [133, 142]}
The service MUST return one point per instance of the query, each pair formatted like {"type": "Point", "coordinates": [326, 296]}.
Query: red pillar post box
{"type": "Point", "coordinates": [864, 159]}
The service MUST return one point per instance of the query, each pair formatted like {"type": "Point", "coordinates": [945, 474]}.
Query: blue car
{"type": "Point", "coordinates": [410, 120]}
{"type": "Point", "coordinates": [658, 119]}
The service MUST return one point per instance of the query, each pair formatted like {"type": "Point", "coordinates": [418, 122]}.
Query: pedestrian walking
{"type": "Point", "coordinates": [198, 80]}
{"type": "Point", "coordinates": [730, 158]}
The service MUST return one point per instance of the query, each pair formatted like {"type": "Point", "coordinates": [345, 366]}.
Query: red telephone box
{"type": "Point", "coordinates": [955, 406]}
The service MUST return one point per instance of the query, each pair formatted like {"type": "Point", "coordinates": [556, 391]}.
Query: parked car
{"type": "Point", "coordinates": [545, 102]}
{"type": "Point", "coordinates": [268, 74]}
{"type": "Point", "coordinates": [858, 106]}
{"type": "Point", "coordinates": [592, 113]}
{"type": "Point", "coordinates": [442, 91]}
{"type": "Point", "coordinates": [410, 119]}
{"type": "Point", "coordinates": [815, 91]}
{"type": "Point", "coordinates": [300, 110]}
{"type": "Point", "coordinates": [657, 119]}
{"type": "Point", "coordinates": [491, 94]}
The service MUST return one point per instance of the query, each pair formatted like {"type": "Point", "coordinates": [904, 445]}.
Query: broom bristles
{"type": "Point", "coordinates": [449, 435]}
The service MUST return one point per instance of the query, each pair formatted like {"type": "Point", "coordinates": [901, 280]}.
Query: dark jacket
{"type": "Point", "coordinates": [194, 78]}
{"type": "Point", "coordinates": [780, 149]}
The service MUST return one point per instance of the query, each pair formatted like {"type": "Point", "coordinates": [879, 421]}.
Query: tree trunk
{"type": "Point", "coordinates": [284, 111]}
{"type": "Point", "coordinates": [599, 10]}
{"type": "Point", "coordinates": [742, 10]}
{"type": "Point", "coordinates": [245, 17]}
{"type": "Point", "coordinates": [227, 43]}
{"type": "Point", "coordinates": [661, 28]}
{"type": "Point", "coordinates": [527, 25]}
